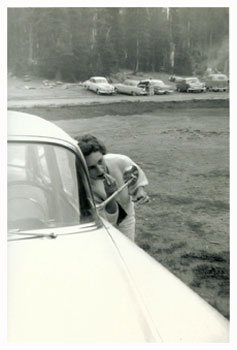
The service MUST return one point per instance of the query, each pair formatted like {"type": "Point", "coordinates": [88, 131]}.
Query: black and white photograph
{"type": "Point", "coordinates": [118, 172]}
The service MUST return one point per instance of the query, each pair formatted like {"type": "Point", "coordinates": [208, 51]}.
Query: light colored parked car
{"type": "Point", "coordinates": [191, 84]}
{"type": "Point", "coordinates": [160, 88]}
{"type": "Point", "coordinates": [73, 277]}
{"type": "Point", "coordinates": [99, 85]}
{"type": "Point", "coordinates": [130, 87]}
{"type": "Point", "coordinates": [216, 82]}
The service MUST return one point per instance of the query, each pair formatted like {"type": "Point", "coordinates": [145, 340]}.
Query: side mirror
{"type": "Point", "coordinates": [130, 175]}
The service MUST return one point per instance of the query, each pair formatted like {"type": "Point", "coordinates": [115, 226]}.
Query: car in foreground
{"type": "Point", "coordinates": [72, 276]}
{"type": "Point", "coordinates": [191, 84]}
{"type": "Point", "coordinates": [100, 85]}
{"type": "Point", "coordinates": [216, 82]}
{"type": "Point", "coordinates": [130, 87]}
{"type": "Point", "coordinates": [159, 87]}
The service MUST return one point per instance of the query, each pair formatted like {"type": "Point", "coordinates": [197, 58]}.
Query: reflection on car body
{"type": "Point", "coordinates": [216, 82]}
{"type": "Point", "coordinates": [191, 84]}
{"type": "Point", "coordinates": [160, 88]}
{"type": "Point", "coordinates": [99, 85]}
{"type": "Point", "coordinates": [130, 87]}
{"type": "Point", "coordinates": [72, 276]}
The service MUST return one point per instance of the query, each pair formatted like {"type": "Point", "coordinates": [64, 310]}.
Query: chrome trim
{"type": "Point", "coordinates": [43, 139]}
{"type": "Point", "coordinates": [54, 232]}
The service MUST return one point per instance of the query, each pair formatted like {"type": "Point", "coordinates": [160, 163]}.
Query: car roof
{"type": "Point", "coordinates": [22, 125]}
{"type": "Point", "coordinates": [151, 80]}
{"type": "Point", "coordinates": [218, 75]}
{"type": "Point", "coordinates": [98, 78]}
{"type": "Point", "coordinates": [187, 79]}
{"type": "Point", "coordinates": [157, 80]}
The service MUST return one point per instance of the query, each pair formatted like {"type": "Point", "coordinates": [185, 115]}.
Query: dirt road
{"type": "Point", "coordinates": [36, 94]}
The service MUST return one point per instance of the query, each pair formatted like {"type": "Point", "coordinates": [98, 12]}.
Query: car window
{"type": "Point", "coordinates": [66, 167]}
{"type": "Point", "coordinates": [43, 168]}
{"type": "Point", "coordinates": [44, 189]}
{"type": "Point", "coordinates": [101, 81]}
{"type": "Point", "coordinates": [158, 83]}
{"type": "Point", "coordinates": [143, 84]}
{"type": "Point", "coordinates": [16, 162]}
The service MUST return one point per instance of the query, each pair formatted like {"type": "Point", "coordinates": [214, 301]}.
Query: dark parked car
{"type": "Point", "coordinates": [191, 84]}
{"type": "Point", "coordinates": [160, 88]}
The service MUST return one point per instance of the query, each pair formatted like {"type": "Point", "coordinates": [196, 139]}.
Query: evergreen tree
{"type": "Point", "coordinates": [74, 43]}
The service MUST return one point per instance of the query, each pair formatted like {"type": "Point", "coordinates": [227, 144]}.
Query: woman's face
{"type": "Point", "coordinates": [96, 165]}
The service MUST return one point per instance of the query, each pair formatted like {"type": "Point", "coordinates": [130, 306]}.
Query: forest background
{"type": "Point", "coordinates": [72, 44]}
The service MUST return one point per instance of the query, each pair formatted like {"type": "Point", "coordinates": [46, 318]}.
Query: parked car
{"type": "Point", "coordinates": [191, 84]}
{"type": "Point", "coordinates": [130, 87]}
{"type": "Point", "coordinates": [160, 88]}
{"type": "Point", "coordinates": [99, 85]}
{"type": "Point", "coordinates": [216, 82]}
{"type": "Point", "coordinates": [72, 276]}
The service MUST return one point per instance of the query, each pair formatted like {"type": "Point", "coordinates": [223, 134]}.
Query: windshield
{"type": "Point", "coordinates": [101, 81]}
{"type": "Point", "coordinates": [192, 80]}
{"type": "Point", "coordinates": [44, 190]}
{"type": "Point", "coordinates": [158, 83]}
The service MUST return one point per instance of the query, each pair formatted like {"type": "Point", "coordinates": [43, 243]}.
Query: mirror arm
{"type": "Point", "coordinates": [103, 204]}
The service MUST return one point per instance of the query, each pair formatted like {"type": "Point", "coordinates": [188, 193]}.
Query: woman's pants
{"type": "Point", "coordinates": [127, 226]}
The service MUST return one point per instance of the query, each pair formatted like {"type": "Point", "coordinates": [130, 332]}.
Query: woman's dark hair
{"type": "Point", "coordinates": [89, 143]}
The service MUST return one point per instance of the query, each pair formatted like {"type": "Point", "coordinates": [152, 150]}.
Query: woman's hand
{"type": "Point", "coordinates": [141, 197]}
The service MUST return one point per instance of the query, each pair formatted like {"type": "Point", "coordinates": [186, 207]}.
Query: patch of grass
{"type": "Point", "coordinates": [205, 271]}
{"type": "Point", "coordinates": [203, 255]}
{"type": "Point", "coordinates": [196, 227]}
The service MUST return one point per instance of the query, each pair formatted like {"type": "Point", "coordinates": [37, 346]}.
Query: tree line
{"type": "Point", "coordinates": [74, 43]}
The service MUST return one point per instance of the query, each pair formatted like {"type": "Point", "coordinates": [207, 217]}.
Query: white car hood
{"type": "Point", "coordinates": [73, 288]}
{"type": "Point", "coordinates": [178, 313]}
{"type": "Point", "coordinates": [100, 287]}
